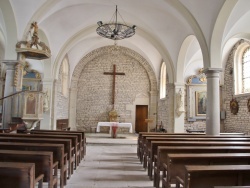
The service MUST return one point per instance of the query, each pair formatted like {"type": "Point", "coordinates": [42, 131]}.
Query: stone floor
{"type": "Point", "coordinates": [110, 163]}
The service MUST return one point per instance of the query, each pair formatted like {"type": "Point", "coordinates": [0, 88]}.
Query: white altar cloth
{"type": "Point", "coordinates": [109, 124]}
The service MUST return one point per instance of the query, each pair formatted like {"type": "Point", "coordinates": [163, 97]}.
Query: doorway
{"type": "Point", "coordinates": [141, 115]}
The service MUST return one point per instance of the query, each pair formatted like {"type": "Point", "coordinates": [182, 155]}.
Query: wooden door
{"type": "Point", "coordinates": [141, 115]}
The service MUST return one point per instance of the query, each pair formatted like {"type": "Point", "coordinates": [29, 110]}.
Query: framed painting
{"type": "Point", "coordinates": [200, 103]}
{"type": "Point", "coordinates": [196, 101]}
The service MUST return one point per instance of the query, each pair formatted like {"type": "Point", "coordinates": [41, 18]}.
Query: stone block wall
{"type": "Point", "coordinates": [62, 102]}
{"type": "Point", "coordinates": [94, 95]}
{"type": "Point", "coordinates": [166, 109]}
{"type": "Point", "coordinates": [240, 121]}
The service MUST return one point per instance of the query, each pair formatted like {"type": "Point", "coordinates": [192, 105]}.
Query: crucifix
{"type": "Point", "coordinates": [114, 73]}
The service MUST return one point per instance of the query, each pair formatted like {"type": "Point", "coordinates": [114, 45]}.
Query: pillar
{"type": "Point", "coordinates": [72, 104]}
{"type": "Point", "coordinates": [152, 109]}
{"type": "Point", "coordinates": [213, 101]}
{"type": "Point", "coordinates": [8, 90]}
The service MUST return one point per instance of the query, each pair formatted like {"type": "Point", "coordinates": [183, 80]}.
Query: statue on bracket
{"type": "Point", "coordinates": [179, 103]}
{"type": "Point", "coordinates": [234, 106]}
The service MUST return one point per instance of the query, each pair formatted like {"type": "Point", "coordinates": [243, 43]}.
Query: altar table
{"type": "Point", "coordinates": [110, 124]}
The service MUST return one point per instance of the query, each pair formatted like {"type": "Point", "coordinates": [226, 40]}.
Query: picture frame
{"type": "Point", "coordinates": [194, 93]}
{"type": "Point", "coordinates": [200, 103]}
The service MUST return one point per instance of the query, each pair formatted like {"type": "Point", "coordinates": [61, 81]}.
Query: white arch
{"type": "Point", "coordinates": [180, 68]}
{"type": "Point", "coordinates": [217, 35]}
{"type": "Point", "coordinates": [11, 30]}
{"type": "Point", "coordinates": [196, 28]}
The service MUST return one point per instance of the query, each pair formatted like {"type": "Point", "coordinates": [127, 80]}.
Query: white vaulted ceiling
{"type": "Point", "coordinates": [163, 26]}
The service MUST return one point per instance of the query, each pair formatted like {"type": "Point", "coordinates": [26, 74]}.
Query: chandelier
{"type": "Point", "coordinates": [114, 30]}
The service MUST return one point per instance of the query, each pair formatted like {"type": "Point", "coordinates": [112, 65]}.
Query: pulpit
{"type": "Point", "coordinates": [32, 108]}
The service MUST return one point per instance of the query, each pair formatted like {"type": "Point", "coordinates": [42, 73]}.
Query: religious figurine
{"type": "Point", "coordinates": [179, 103]}
{"type": "Point", "coordinates": [113, 116]}
{"type": "Point", "coordinates": [234, 107]}
{"type": "Point", "coordinates": [248, 105]}
{"type": "Point", "coordinates": [46, 102]}
{"type": "Point", "coordinates": [35, 38]}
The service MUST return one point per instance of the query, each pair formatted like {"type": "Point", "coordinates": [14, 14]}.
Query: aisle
{"type": "Point", "coordinates": [110, 163]}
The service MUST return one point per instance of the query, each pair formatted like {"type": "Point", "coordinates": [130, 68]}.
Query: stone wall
{"type": "Point", "coordinates": [240, 121]}
{"type": "Point", "coordinates": [94, 89]}
{"type": "Point", "coordinates": [165, 113]}
{"type": "Point", "coordinates": [62, 102]}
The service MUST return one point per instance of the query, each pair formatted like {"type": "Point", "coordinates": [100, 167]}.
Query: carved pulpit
{"type": "Point", "coordinates": [33, 108]}
{"type": "Point", "coordinates": [113, 116]}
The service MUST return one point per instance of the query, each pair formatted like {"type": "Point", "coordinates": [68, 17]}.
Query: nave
{"type": "Point", "coordinates": [110, 163]}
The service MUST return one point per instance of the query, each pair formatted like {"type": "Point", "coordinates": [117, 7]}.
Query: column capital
{"type": "Point", "coordinates": [212, 70]}
{"type": "Point", "coordinates": [10, 64]}
{"type": "Point", "coordinates": [179, 84]}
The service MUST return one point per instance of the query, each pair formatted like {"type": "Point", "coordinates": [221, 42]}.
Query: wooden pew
{"type": "Point", "coordinates": [197, 176]}
{"type": "Point", "coordinates": [60, 131]}
{"type": "Point", "coordinates": [163, 151]}
{"type": "Point", "coordinates": [57, 149]}
{"type": "Point", "coordinates": [19, 175]}
{"type": "Point", "coordinates": [43, 163]}
{"type": "Point", "coordinates": [154, 134]}
{"type": "Point", "coordinates": [204, 142]}
{"type": "Point", "coordinates": [149, 151]}
{"type": "Point", "coordinates": [231, 186]}
{"type": "Point", "coordinates": [66, 142]}
{"type": "Point", "coordinates": [146, 140]}
{"type": "Point", "coordinates": [80, 145]}
{"type": "Point", "coordinates": [73, 138]}
{"type": "Point", "coordinates": [176, 163]}
{"type": "Point", "coordinates": [142, 135]}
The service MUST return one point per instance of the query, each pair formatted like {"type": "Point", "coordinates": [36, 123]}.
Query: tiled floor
{"type": "Point", "coordinates": [110, 163]}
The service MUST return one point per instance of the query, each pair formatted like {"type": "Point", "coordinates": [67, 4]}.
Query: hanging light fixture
{"type": "Point", "coordinates": [114, 30]}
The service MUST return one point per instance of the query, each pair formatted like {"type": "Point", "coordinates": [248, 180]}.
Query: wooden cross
{"type": "Point", "coordinates": [114, 73]}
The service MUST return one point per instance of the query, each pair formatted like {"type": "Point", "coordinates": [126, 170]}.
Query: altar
{"type": "Point", "coordinates": [110, 124]}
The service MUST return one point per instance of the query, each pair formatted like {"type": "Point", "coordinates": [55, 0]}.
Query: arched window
{"type": "Point", "coordinates": [163, 80]}
{"type": "Point", "coordinates": [246, 71]}
{"type": "Point", "coordinates": [242, 69]}
{"type": "Point", "coordinates": [65, 77]}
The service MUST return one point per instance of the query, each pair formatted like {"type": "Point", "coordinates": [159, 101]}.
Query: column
{"type": "Point", "coordinates": [53, 104]}
{"type": "Point", "coordinates": [152, 109]}
{"type": "Point", "coordinates": [213, 101]}
{"type": "Point", "coordinates": [8, 90]}
{"type": "Point", "coordinates": [72, 105]}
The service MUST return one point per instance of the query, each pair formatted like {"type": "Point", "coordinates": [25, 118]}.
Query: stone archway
{"type": "Point", "coordinates": [127, 59]}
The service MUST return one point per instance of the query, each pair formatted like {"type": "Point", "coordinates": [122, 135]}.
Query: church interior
{"type": "Point", "coordinates": [124, 69]}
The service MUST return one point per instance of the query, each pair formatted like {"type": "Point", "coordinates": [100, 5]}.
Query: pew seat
{"type": "Point", "coordinates": [19, 175]}
{"type": "Point", "coordinates": [57, 149]}
{"type": "Point", "coordinates": [43, 163]}
{"type": "Point", "coordinates": [197, 176]}
{"type": "Point", "coordinates": [163, 152]}
{"type": "Point", "coordinates": [176, 163]}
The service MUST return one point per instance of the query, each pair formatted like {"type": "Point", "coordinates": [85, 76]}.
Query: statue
{"type": "Point", "coordinates": [234, 106]}
{"type": "Point", "coordinates": [113, 116]}
{"type": "Point", "coordinates": [46, 102]}
{"type": "Point", "coordinates": [179, 103]}
{"type": "Point", "coordinates": [35, 38]}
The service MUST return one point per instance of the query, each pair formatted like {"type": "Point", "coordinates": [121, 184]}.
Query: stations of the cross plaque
{"type": "Point", "coordinates": [114, 73]}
